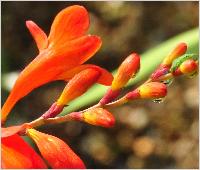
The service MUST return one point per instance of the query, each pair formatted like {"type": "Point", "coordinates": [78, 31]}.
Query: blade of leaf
{"type": "Point", "coordinates": [151, 58]}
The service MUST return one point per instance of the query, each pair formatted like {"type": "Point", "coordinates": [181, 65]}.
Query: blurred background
{"type": "Point", "coordinates": [146, 134]}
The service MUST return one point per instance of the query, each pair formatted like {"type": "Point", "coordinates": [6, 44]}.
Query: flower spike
{"type": "Point", "coordinates": [55, 151]}
{"type": "Point", "coordinates": [66, 49]}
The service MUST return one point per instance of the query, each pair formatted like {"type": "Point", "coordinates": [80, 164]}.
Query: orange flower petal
{"type": "Point", "coordinates": [39, 36]}
{"type": "Point", "coordinates": [78, 85]}
{"type": "Point", "coordinates": [16, 153]}
{"type": "Point", "coordinates": [72, 22]}
{"type": "Point", "coordinates": [79, 50]}
{"type": "Point", "coordinates": [105, 77]}
{"type": "Point", "coordinates": [55, 151]}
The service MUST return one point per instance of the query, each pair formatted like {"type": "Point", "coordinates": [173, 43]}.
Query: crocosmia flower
{"type": "Point", "coordinates": [67, 47]}
{"type": "Point", "coordinates": [16, 153]}
{"type": "Point", "coordinates": [57, 153]}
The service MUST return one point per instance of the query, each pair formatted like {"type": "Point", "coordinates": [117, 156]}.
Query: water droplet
{"type": "Point", "coordinates": [159, 100]}
{"type": "Point", "coordinates": [168, 82]}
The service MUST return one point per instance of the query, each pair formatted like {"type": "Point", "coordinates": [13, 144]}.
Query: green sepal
{"type": "Point", "coordinates": [177, 62]}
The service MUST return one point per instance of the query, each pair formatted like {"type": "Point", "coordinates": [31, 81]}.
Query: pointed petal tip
{"type": "Point", "coordinates": [38, 34]}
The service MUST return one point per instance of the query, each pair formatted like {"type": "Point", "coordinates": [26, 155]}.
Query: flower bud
{"type": "Point", "coordinates": [177, 52]}
{"type": "Point", "coordinates": [152, 90]}
{"type": "Point", "coordinates": [127, 69]}
{"type": "Point", "coordinates": [109, 96]}
{"type": "Point", "coordinates": [55, 151]}
{"type": "Point", "coordinates": [98, 117]}
{"type": "Point", "coordinates": [53, 111]}
{"type": "Point", "coordinates": [189, 67]}
{"type": "Point", "coordinates": [78, 85]}
{"type": "Point", "coordinates": [159, 72]}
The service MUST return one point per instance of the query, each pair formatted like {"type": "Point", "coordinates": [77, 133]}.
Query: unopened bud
{"type": "Point", "coordinates": [159, 72]}
{"type": "Point", "coordinates": [78, 85]}
{"type": "Point", "coordinates": [177, 52]}
{"type": "Point", "coordinates": [126, 71]}
{"type": "Point", "coordinates": [98, 117]}
{"type": "Point", "coordinates": [152, 90]}
{"type": "Point", "coordinates": [189, 67]}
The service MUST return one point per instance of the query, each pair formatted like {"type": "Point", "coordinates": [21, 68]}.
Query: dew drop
{"type": "Point", "coordinates": [159, 100]}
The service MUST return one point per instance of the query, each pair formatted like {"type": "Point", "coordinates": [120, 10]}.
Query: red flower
{"type": "Point", "coordinates": [16, 153]}
{"type": "Point", "coordinates": [66, 48]}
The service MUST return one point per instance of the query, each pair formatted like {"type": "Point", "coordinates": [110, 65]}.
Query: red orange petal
{"type": "Point", "coordinates": [55, 151]}
{"type": "Point", "coordinates": [79, 50]}
{"type": "Point", "coordinates": [38, 34]}
{"type": "Point", "coordinates": [16, 153]}
{"type": "Point", "coordinates": [72, 22]}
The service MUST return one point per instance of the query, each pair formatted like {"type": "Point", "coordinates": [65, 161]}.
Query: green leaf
{"type": "Point", "coordinates": [149, 61]}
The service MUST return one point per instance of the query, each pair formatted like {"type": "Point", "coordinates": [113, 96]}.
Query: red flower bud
{"type": "Point", "coordinates": [189, 67]}
{"type": "Point", "coordinates": [127, 69]}
{"type": "Point", "coordinates": [98, 117]}
{"type": "Point", "coordinates": [78, 85]}
{"type": "Point", "coordinates": [177, 52]}
{"type": "Point", "coordinates": [152, 90]}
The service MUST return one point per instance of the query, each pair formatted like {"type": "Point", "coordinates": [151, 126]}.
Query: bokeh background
{"type": "Point", "coordinates": [146, 134]}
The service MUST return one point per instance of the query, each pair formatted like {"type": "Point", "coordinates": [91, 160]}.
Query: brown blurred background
{"type": "Point", "coordinates": [146, 134]}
